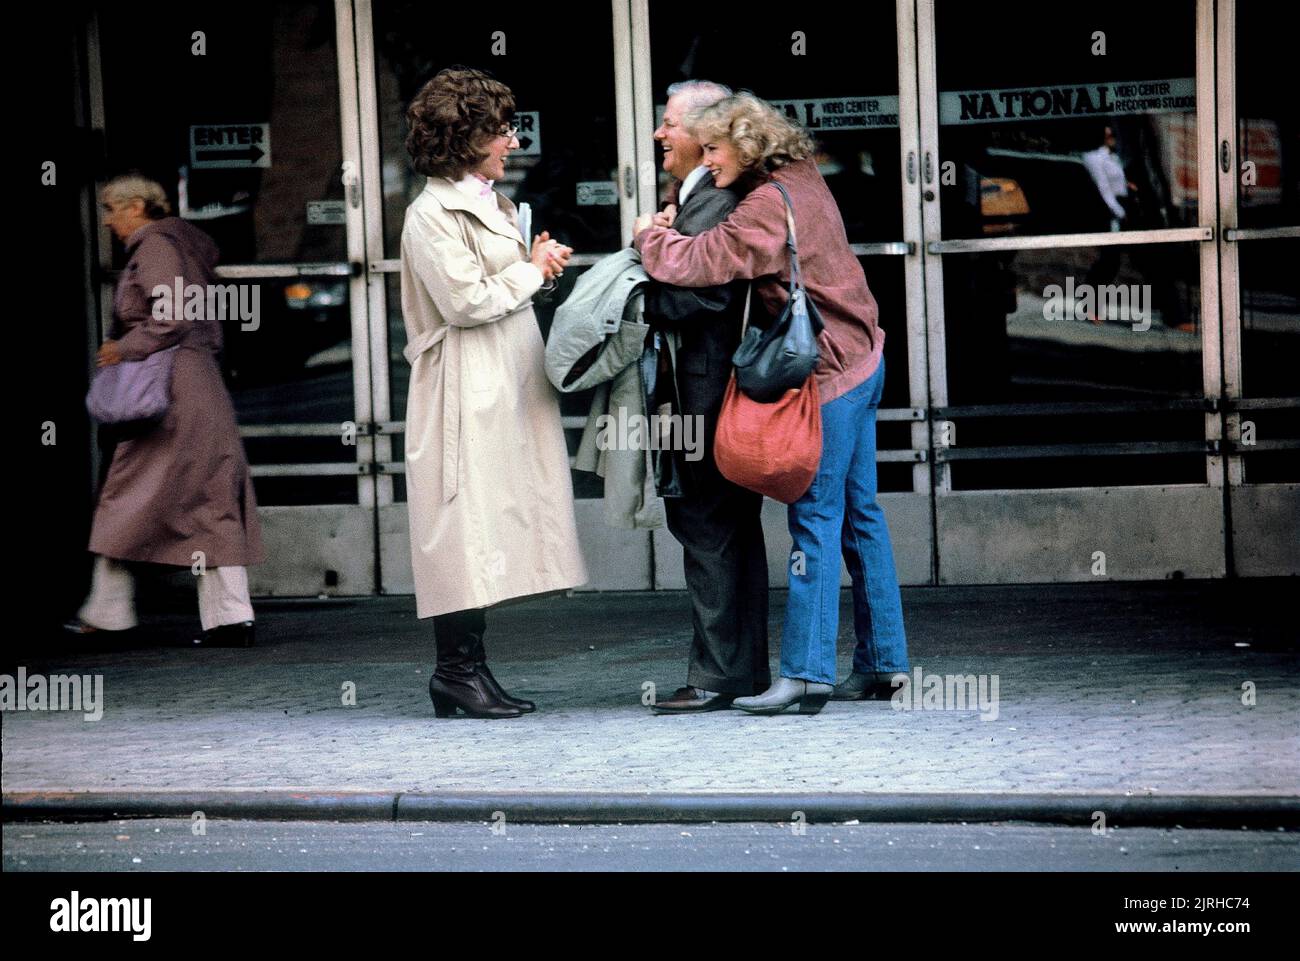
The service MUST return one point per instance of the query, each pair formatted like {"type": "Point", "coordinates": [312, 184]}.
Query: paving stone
{"type": "Point", "coordinates": [1102, 688]}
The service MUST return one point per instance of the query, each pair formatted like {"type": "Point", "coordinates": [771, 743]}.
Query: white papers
{"type": "Point", "coordinates": [526, 225]}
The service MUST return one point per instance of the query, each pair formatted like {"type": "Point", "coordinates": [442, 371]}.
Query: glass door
{"type": "Point", "coordinates": [1072, 290]}
{"type": "Point", "coordinates": [255, 137]}
{"type": "Point", "coordinates": [855, 92]}
{"type": "Point", "coordinates": [1259, 206]}
{"type": "Point", "coordinates": [572, 80]}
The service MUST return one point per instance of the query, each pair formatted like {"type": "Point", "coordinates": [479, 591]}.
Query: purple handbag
{"type": "Point", "coordinates": [133, 390]}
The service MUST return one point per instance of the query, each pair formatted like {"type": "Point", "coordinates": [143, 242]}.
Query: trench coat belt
{"type": "Point", "coordinates": [450, 401]}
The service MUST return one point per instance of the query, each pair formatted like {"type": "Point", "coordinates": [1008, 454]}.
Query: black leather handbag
{"type": "Point", "coordinates": [770, 362]}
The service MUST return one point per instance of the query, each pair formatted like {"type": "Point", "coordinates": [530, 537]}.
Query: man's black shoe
{"type": "Point", "coordinates": [686, 700]}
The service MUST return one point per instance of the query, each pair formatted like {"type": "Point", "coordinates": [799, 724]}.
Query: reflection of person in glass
{"type": "Point", "coordinates": [1113, 185]}
{"type": "Point", "coordinates": [178, 493]}
{"type": "Point", "coordinates": [1108, 174]}
{"type": "Point", "coordinates": [487, 470]}
{"type": "Point", "coordinates": [746, 140]}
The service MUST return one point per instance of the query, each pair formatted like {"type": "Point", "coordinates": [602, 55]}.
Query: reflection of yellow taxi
{"type": "Point", "coordinates": [1046, 193]}
{"type": "Point", "coordinates": [303, 322]}
{"type": "Point", "coordinates": [1002, 202]}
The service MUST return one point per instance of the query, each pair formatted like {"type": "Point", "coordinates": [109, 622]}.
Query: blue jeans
{"type": "Point", "coordinates": [839, 513]}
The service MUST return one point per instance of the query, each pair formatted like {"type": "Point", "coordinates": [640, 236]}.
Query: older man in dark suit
{"type": "Point", "coordinates": [716, 522]}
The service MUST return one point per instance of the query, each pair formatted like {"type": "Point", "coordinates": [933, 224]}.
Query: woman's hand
{"type": "Point", "coordinates": [109, 354]}
{"type": "Point", "coordinates": [642, 224]}
{"type": "Point", "coordinates": [665, 217]}
{"type": "Point", "coordinates": [550, 256]}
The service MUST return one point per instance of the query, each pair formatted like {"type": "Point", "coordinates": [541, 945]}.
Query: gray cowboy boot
{"type": "Point", "coordinates": [809, 695]}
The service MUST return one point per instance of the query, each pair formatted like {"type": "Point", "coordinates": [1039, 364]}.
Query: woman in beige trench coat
{"type": "Point", "coordinates": [489, 491]}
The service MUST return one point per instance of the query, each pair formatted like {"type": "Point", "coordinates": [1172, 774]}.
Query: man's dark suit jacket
{"type": "Point", "coordinates": [717, 523]}
{"type": "Point", "coordinates": [706, 318]}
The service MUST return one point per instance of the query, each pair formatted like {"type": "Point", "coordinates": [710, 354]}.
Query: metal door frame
{"type": "Point", "coordinates": [303, 542]}
{"type": "Point", "coordinates": [909, 514]}
{"type": "Point", "coordinates": [1053, 534]}
{"type": "Point", "coordinates": [618, 560]}
{"type": "Point", "coordinates": [957, 522]}
{"type": "Point", "coordinates": [1261, 515]}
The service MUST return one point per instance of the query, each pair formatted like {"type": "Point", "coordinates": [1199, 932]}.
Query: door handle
{"type": "Point", "coordinates": [1225, 156]}
{"type": "Point", "coordinates": [628, 184]}
{"type": "Point", "coordinates": [911, 166]}
{"type": "Point", "coordinates": [352, 183]}
{"type": "Point", "coordinates": [929, 168]}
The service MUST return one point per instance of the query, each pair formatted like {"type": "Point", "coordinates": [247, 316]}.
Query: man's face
{"type": "Point", "coordinates": [682, 152]}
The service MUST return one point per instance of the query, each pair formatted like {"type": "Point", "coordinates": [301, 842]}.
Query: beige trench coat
{"type": "Point", "coordinates": [487, 469]}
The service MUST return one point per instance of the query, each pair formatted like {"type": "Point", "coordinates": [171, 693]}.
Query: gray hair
{"type": "Point", "coordinates": [134, 186]}
{"type": "Point", "coordinates": [699, 94]}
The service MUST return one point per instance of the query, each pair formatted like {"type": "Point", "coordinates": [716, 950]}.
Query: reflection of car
{"type": "Point", "coordinates": [1002, 205]}
{"type": "Point", "coordinates": [317, 297]}
{"type": "Point", "coordinates": [325, 305]}
{"type": "Point", "coordinates": [1048, 193]}
{"type": "Point", "coordinates": [305, 322]}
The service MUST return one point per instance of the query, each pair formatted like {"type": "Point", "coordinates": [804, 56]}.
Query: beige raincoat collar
{"type": "Point", "coordinates": [445, 192]}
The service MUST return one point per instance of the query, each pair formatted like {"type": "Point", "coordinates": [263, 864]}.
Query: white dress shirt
{"type": "Point", "coordinates": [689, 183]}
{"type": "Point", "coordinates": [1109, 177]}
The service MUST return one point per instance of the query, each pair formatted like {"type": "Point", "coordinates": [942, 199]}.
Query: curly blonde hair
{"type": "Point", "coordinates": [763, 137]}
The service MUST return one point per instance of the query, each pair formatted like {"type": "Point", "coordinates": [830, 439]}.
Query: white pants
{"type": "Point", "coordinates": [110, 605]}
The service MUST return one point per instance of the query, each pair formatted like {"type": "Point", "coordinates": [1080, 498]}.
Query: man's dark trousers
{"type": "Point", "coordinates": [716, 522]}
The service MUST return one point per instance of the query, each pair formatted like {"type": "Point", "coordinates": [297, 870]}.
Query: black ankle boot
{"type": "Point", "coordinates": [504, 696]}
{"type": "Point", "coordinates": [457, 684]}
{"type": "Point", "coordinates": [227, 635]}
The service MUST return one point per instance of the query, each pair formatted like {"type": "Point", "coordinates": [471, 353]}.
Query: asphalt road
{"type": "Point", "coordinates": [172, 845]}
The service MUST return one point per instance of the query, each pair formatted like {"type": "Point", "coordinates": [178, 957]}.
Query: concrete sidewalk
{"type": "Point", "coordinates": [1106, 691]}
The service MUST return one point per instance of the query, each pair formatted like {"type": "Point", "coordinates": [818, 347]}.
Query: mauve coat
{"type": "Point", "coordinates": [487, 469]}
{"type": "Point", "coordinates": [183, 485]}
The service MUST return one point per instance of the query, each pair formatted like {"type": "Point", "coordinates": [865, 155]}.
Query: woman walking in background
{"type": "Point", "coordinates": [178, 492]}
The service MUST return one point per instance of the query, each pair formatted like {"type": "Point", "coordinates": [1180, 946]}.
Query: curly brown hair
{"type": "Point", "coordinates": [452, 116]}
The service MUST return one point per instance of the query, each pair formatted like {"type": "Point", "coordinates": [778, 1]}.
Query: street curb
{"type": "Point", "coordinates": [251, 805]}
{"type": "Point", "coordinates": [593, 807]}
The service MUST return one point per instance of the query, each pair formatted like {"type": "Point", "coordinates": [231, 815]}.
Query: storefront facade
{"type": "Point", "coordinates": [1072, 394]}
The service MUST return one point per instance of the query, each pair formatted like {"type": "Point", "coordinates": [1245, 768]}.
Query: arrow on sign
{"type": "Point", "coordinates": [524, 142]}
{"type": "Point", "coordinates": [252, 154]}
